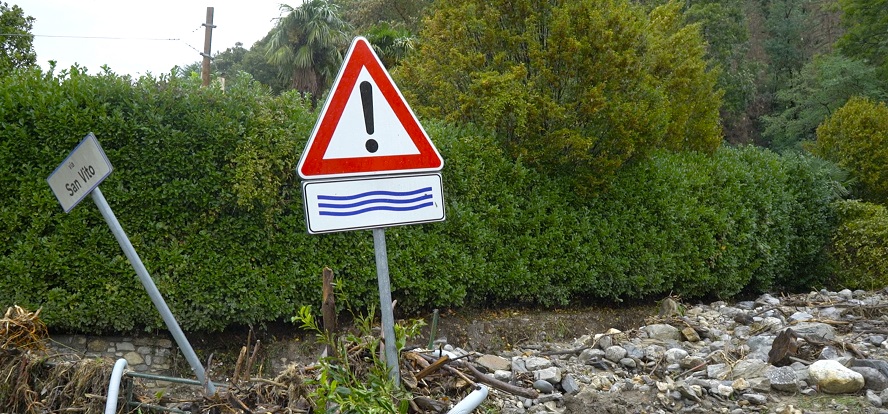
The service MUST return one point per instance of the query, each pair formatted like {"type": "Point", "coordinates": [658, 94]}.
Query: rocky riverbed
{"type": "Point", "coordinates": [821, 352]}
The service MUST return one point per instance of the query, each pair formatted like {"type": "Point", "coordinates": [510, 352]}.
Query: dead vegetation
{"type": "Point", "coordinates": [32, 381]}
{"type": "Point", "coordinates": [35, 380]}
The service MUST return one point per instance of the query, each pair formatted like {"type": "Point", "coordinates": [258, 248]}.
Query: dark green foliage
{"type": "Point", "coordinates": [858, 246]}
{"type": "Point", "coordinates": [823, 86]}
{"type": "Point", "coordinates": [866, 38]}
{"type": "Point", "coordinates": [204, 186]}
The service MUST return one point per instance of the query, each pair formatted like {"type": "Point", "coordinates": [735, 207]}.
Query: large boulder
{"type": "Point", "coordinates": [834, 378]}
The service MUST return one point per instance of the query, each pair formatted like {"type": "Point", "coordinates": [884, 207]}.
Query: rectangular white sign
{"type": "Point", "coordinates": [80, 173]}
{"type": "Point", "coordinates": [365, 203]}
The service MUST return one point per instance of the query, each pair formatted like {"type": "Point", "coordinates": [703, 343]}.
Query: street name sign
{"type": "Point", "coordinates": [80, 173]}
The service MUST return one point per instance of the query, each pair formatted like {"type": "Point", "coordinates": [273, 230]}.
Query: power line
{"type": "Point", "coordinates": [103, 38]}
{"type": "Point", "coordinates": [90, 37]}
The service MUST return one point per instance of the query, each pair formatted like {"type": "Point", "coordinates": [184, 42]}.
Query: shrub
{"type": "Point", "coordinates": [858, 247]}
{"type": "Point", "coordinates": [204, 186]}
{"type": "Point", "coordinates": [856, 138]}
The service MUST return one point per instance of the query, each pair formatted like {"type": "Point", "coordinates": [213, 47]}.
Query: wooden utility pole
{"type": "Point", "coordinates": [208, 39]}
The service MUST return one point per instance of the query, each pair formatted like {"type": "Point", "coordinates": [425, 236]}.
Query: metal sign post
{"type": "Point", "coordinates": [369, 164]}
{"type": "Point", "coordinates": [80, 174]}
{"type": "Point", "coordinates": [385, 305]}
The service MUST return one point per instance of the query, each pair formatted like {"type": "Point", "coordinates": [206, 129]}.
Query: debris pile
{"type": "Point", "coordinates": [33, 382]}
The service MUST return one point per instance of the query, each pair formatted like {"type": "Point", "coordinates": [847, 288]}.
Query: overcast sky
{"type": "Point", "coordinates": [63, 29]}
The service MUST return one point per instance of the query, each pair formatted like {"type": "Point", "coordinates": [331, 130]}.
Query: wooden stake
{"type": "Point", "coordinates": [328, 307]}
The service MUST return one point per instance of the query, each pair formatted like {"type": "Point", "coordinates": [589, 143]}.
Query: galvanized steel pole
{"type": "Point", "coordinates": [385, 305]}
{"type": "Point", "coordinates": [151, 288]}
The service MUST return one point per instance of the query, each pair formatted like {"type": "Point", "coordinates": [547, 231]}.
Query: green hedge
{"type": "Point", "coordinates": [204, 185]}
{"type": "Point", "coordinates": [858, 247]}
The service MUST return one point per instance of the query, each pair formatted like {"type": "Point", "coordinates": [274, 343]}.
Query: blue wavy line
{"type": "Point", "coordinates": [376, 200]}
{"type": "Point", "coordinates": [373, 193]}
{"type": "Point", "coordinates": [377, 208]}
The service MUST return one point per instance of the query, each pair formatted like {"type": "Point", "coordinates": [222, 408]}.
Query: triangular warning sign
{"type": "Point", "coordinates": [366, 127]}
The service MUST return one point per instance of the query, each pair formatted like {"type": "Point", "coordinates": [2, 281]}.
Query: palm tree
{"type": "Point", "coordinates": [306, 45]}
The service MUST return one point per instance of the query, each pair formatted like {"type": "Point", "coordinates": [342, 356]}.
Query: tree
{"type": "Point", "coordinates": [866, 37]}
{"type": "Point", "coordinates": [823, 85]}
{"type": "Point", "coordinates": [574, 86]}
{"type": "Point", "coordinates": [16, 40]}
{"type": "Point", "coordinates": [306, 45]}
{"type": "Point", "coordinates": [724, 25]}
{"type": "Point", "coordinates": [364, 14]}
{"type": "Point", "coordinates": [390, 43]}
{"type": "Point", "coordinates": [856, 138]}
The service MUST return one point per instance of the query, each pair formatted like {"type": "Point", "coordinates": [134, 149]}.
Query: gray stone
{"type": "Point", "coordinates": [518, 365]}
{"type": "Point", "coordinates": [767, 300]}
{"type": "Point", "coordinates": [745, 305]}
{"type": "Point", "coordinates": [760, 384]}
{"type": "Point", "coordinates": [801, 317]}
{"type": "Point", "coordinates": [783, 379]}
{"type": "Point", "coordinates": [615, 353]}
{"type": "Point", "coordinates": [815, 328]}
{"type": "Point", "coordinates": [834, 378]}
{"type": "Point", "coordinates": [873, 398]}
{"type": "Point", "coordinates": [663, 332]}
{"type": "Point", "coordinates": [725, 391]}
{"type": "Point", "coordinates": [97, 345]}
{"type": "Point", "coordinates": [133, 359]}
{"type": "Point", "coordinates": [830, 353]}
{"type": "Point", "coordinates": [502, 375]}
{"type": "Point", "coordinates": [628, 363]}
{"type": "Point", "coordinates": [846, 294]}
{"type": "Point", "coordinates": [605, 341]}
{"type": "Point", "coordinates": [878, 364]}
{"type": "Point", "coordinates": [873, 379]}
{"type": "Point", "coordinates": [760, 346]}
{"type": "Point", "coordinates": [590, 354]}
{"type": "Point", "coordinates": [755, 399]}
{"type": "Point", "coordinates": [749, 368]}
{"type": "Point", "coordinates": [494, 363]}
{"type": "Point", "coordinates": [570, 385]}
{"type": "Point", "coordinates": [718, 371]}
{"type": "Point", "coordinates": [831, 313]}
{"type": "Point", "coordinates": [675, 355]}
{"type": "Point", "coordinates": [691, 392]}
{"type": "Point", "coordinates": [876, 339]}
{"type": "Point", "coordinates": [654, 352]}
{"type": "Point", "coordinates": [543, 386]}
{"type": "Point", "coordinates": [633, 351]}
{"type": "Point", "coordinates": [551, 374]}
{"type": "Point", "coordinates": [536, 363]}
{"type": "Point", "coordinates": [126, 346]}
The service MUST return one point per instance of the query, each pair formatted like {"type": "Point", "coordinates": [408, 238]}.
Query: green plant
{"type": "Point", "coordinates": [858, 246]}
{"type": "Point", "coordinates": [561, 87]}
{"type": "Point", "coordinates": [353, 379]}
{"type": "Point", "coordinates": [856, 138]}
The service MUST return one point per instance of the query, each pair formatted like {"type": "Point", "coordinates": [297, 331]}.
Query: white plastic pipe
{"type": "Point", "coordinates": [114, 386]}
{"type": "Point", "coordinates": [472, 401]}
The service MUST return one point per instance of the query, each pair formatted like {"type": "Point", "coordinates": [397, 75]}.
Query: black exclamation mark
{"type": "Point", "coordinates": [367, 102]}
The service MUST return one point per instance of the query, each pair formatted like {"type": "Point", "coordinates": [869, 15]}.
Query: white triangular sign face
{"type": "Point", "coordinates": [367, 139]}
{"type": "Point", "coordinates": [366, 127]}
